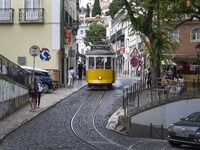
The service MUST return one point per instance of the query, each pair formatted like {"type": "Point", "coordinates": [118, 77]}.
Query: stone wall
{"type": "Point", "coordinates": [10, 106]}
{"type": "Point", "coordinates": [12, 96]}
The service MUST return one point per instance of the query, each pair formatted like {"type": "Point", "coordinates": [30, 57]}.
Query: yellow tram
{"type": "Point", "coordinates": [101, 65]}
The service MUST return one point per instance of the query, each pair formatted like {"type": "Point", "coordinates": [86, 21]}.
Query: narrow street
{"type": "Point", "coordinates": [78, 122]}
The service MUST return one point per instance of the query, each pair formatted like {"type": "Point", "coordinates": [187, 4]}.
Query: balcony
{"type": "Point", "coordinates": [31, 15]}
{"type": "Point", "coordinates": [117, 36]}
{"type": "Point", "coordinates": [71, 23]}
{"type": "Point", "coordinates": [6, 15]}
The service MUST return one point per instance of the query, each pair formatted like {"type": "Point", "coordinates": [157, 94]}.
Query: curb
{"type": "Point", "coordinates": [35, 115]}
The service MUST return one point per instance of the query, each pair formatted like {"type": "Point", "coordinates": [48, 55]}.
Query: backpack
{"type": "Point", "coordinates": [33, 88]}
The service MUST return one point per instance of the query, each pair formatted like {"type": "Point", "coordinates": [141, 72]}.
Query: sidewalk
{"type": "Point", "coordinates": [23, 115]}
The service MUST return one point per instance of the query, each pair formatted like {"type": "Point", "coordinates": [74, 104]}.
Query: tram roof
{"type": "Point", "coordinates": [100, 52]}
{"type": "Point", "coordinates": [101, 49]}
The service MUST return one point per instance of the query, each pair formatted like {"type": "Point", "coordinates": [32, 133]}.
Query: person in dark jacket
{"type": "Point", "coordinates": [149, 78]}
{"type": "Point", "coordinates": [33, 88]}
{"type": "Point", "coordinates": [80, 69]}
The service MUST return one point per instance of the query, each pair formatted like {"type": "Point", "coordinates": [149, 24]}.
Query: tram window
{"type": "Point", "coordinates": [91, 63]}
{"type": "Point", "coordinates": [100, 63]}
{"type": "Point", "coordinates": [108, 63]}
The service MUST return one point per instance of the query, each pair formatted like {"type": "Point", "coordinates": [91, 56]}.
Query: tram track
{"type": "Point", "coordinates": [74, 130]}
{"type": "Point", "coordinates": [95, 139]}
{"type": "Point", "coordinates": [86, 125]}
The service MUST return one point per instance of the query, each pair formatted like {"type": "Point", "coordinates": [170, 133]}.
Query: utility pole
{"type": "Point", "coordinates": [63, 62]}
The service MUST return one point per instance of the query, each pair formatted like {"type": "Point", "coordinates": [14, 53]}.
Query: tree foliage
{"type": "Point", "coordinates": [87, 11]}
{"type": "Point", "coordinates": [95, 33]}
{"type": "Point", "coordinates": [96, 9]}
{"type": "Point", "coordinates": [114, 7]}
{"type": "Point", "coordinates": [153, 20]}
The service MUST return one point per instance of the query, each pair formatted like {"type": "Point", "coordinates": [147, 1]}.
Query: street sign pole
{"type": "Point", "coordinates": [34, 51]}
{"type": "Point", "coordinates": [134, 63]}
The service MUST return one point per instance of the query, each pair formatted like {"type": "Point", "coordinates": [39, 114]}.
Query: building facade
{"type": "Point", "coordinates": [25, 23]}
{"type": "Point", "coordinates": [129, 47]}
{"type": "Point", "coordinates": [84, 24]}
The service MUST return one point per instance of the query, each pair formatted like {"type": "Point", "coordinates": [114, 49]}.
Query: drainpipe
{"type": "Point", "coordinates": [63, 59]}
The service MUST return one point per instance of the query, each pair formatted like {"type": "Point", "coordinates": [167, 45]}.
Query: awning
{"type": "Point", "coordinates": [184, 58]}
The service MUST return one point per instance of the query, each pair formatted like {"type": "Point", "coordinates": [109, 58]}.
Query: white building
{"type": "Point", "coordinates": [127, 46]}
{"type": "Point", "coordinates": [25, 23]}
{"type": "Point", "coordinates": [84, 24]}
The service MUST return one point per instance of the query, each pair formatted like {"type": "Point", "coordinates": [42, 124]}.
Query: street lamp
{"type": "Point", "coordinates": [198, 51]}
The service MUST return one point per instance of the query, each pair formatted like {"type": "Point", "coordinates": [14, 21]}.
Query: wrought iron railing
{"type": "Point", "coordinates": [138, 96]}
{"type": "Point", "coordinates": [6, 15]}
{"type": "Point", "coordinates": [31, 15]}
{"type": "Point", "coordinates": [116, 36]}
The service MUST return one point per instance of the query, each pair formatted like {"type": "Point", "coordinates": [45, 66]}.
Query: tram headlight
{"type": "Point", "coordinates": [100, 77]}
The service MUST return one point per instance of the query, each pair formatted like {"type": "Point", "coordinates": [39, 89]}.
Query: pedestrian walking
{"type": "Point", "coordinates": [149, 77]}
{"type": "Point", "coordinates": [39, 92]}
{"type": "Point", "coordinates": [71, 77]}
{"type": "Point", "coordinates": [80, 69]}
{"type": "Point", "coordinates": [33, 88]}
{"type": "Point", "coordinates": [84, 71]}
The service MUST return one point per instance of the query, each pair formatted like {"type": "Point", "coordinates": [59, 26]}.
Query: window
{"type": "Point", "coordinates": [108, 63]}
{"type": "Point", "coordinates": [32, 9]}
{"type": "Point", "coordinates": [82, 51]}
{"type": "Point", "coordinates": [5, 3]}
{"type": "Point", "coordinates": [91, 63]}
{"type": "Point", "coordinates": [5, 11]}
{"type": "Point", "coordinates": [174, 34]}
{"type": "Point", "coordinates": [32, 3]}
{"type": "Point", "coordinates": [193, 117]}
{"type": "Point", "coordinates": [195, 34]}
{"type": "Point", "coordinates": [100, 63]}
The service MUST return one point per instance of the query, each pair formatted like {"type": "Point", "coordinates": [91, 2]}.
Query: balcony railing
{"type": "Point", "coordinates": [6, 15]}
{"type": "Point", "coordinates": [116, 36]}
{"type": "Point", "coordinates": [31, 15]}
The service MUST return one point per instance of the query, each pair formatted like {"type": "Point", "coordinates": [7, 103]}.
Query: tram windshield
{"type": "Point", "coordinates": [99, 63]}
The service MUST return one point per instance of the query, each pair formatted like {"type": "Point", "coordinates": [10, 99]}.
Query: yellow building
{"type": "Point", "coordinates": [24, 23]}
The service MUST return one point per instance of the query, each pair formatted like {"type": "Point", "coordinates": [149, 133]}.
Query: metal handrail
{"type": "Point", "coordinates": [12, 72]}
{"type": "Point", "coordinates": [6, 15]}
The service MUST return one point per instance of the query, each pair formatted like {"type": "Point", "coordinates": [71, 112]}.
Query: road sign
{"type": "Point", "coordinates": [34, 50]}
{"type": "Point", "coordinates": [134, 61]}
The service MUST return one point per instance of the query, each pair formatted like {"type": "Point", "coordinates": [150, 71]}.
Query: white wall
{"type": "Point", "coordinates": [167, 114]}
{"type": "Point", "coordinates": [55, 25]}
{"type": "Point", "coordinates": [9, 90]}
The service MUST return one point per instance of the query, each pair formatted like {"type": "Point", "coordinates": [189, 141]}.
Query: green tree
{"type": "Point", "coordinates": [114, 7]}
{"type": "Point", "coordinates": [96, 9]}
{"type": "Point", "coordinates": [189, 8]}
{"type": "Point", "coordinates": [87, 11]}
{"type": "Point", "coordinates": [153, 20]}
{"type": "Point", "coordinates": [95, 33]}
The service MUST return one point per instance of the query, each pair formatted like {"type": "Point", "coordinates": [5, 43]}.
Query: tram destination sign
{"type": "Point", "coordinates": [100, 47]}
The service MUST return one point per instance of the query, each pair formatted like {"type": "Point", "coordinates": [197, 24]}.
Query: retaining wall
{"type": "Point", "coordinates": [163, 115]}
{"type": "Point", "coordinates": [12, 97]}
